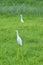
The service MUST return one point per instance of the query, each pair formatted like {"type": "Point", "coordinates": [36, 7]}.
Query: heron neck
{"type": "Point", "coordinates": [17, 34]}
{"type": "Point", "coordinates": [21, 17]}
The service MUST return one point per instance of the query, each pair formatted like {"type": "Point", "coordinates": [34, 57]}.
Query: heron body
{"type": "Point", "coordinates": [19, 40]}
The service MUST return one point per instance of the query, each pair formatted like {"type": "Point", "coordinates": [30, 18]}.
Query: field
{"type": "Point", "coordinates": [31, 32]}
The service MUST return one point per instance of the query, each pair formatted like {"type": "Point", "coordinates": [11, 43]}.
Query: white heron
{"type": "Point", "coordinates": [19, 40]}
{"type": "Point", "coordinates": [22, 21]}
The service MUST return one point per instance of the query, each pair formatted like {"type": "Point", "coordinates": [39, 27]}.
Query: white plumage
{"type": "Point", "coordinates": [22, 21]}
{"type": "Point", "coordinates": [19, 40]}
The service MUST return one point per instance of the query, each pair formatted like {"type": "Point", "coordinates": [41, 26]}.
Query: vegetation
{"type": "Point", "coordinates": [11, 2]}
{"type": "Point", "coordinates": [31, 32]}
{"type": "Point", "coordinates": [15, 7]}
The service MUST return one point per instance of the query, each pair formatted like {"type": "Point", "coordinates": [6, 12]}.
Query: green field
{"type": "Point", "coordinates": [31, 32]}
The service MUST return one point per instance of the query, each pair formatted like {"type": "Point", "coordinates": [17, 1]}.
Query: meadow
{"type": "Point", "coordinates": [31, 32]}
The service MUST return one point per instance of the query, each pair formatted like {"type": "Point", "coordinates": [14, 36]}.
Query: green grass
{"type": "Point", "coordinates": [11, 2]}
{"type": "Point", "coordinates": [15, 7]}
{"type": "Point", "coordinates": [31, 32]}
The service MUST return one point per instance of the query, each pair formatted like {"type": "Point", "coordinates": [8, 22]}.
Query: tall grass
{"type": "Point", "coordinates": [11, 2]}
{"type": "Point", "coordinates": [21, 9]}
{"type": "Point", "coordinates": [29, 7]}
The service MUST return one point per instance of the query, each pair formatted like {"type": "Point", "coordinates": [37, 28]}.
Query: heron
{"type": "Point", "coordinates": [19, 40]}
{"type": "Point", "coordinates": [22, 21]}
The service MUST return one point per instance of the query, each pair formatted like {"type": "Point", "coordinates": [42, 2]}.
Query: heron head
{"type": "Point", "coordinates": [16, 30]}
{"type": "Point", "coordinates": [20, 14]}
